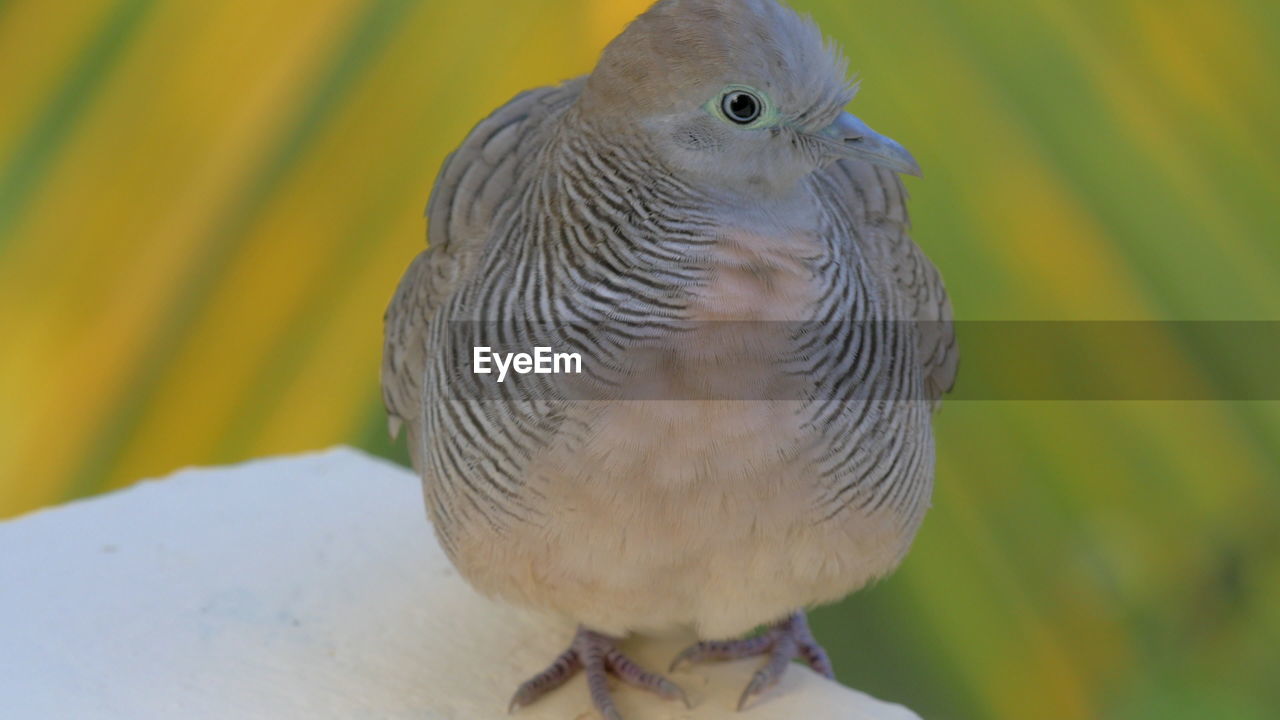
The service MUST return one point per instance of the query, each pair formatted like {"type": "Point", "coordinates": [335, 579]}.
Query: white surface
{"type": "Point", "coordinates": [304, 587]}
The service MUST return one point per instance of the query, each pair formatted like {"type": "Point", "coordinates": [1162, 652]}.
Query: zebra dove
{"type": "Point", "coordinates": [767, 346]}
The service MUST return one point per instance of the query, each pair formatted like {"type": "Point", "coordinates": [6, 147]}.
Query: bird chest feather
{"type": "Point", "coordinates": [742, 319]}
{"type": "Point", "coordinates": [758, 278]}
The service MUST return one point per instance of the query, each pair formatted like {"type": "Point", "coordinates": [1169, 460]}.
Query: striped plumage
{"type": "Point", "coordinates": [652, 511]}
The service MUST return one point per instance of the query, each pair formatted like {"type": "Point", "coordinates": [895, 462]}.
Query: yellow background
{"type": "Point", "coordinates": [204, 207]}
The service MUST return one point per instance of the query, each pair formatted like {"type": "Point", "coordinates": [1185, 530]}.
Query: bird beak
{"type": "Point", "coordinates": [850, 137]}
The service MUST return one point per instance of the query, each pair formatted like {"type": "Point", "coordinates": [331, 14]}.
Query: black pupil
{"type": "Point", "coordinates": [741, 107]}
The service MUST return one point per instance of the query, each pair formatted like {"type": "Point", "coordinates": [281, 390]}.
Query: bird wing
{"type": "Point", "coordinates": [468, 196]}
{"type": "Point", "coordinates": [874, 201]}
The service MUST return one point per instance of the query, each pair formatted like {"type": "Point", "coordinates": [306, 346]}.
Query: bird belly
{"type": "Point", "coordinates": [681, 514]}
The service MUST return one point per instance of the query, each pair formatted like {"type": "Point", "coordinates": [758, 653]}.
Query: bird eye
{"type": "Point", "coordinates": [741, 106]}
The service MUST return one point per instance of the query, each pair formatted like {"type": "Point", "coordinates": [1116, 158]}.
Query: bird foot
{"type": "Point", "coordinates": [782, 643]}
{"type": "Point", "coordinates": [597, 655]}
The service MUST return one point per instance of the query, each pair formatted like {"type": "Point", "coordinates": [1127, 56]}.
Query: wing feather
{"type": "Point", "coordinates": [876, 204]}
{"type": "Point", "coordinates": [466, 203]}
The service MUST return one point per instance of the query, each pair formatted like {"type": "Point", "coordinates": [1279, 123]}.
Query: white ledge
{"type": "Point", "coordinates": [300, 587]}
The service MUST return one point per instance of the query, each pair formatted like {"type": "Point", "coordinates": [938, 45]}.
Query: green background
{"type": "Point", "coordinates": [204, 208]}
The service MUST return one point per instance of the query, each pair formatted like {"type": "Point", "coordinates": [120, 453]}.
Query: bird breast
{"type": "Point", "coordinates": [759, 278]}
{"type": "Point", "coordinates": [739, 323]}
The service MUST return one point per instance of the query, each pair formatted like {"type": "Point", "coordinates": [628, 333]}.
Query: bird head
{"type": "Point", "coordinates": [746, 94]}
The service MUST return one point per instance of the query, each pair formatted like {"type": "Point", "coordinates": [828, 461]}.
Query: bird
{"type": "Point", "coordinates": [729, 248]}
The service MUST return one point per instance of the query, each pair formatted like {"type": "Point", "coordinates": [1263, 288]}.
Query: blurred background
{"type": "Point", "coordinates": [204, 208]}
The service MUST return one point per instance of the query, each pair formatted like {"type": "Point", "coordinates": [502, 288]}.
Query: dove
{"type": "Point", "coordinates": [763, 345]}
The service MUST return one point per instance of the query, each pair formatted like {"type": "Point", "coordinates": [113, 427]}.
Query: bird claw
{"type": "Point", "coordinates": [788, 640]}
{"type": "Point", "coordinates": [723, 650]}
{"type": "Point", "coordinates": [556, 674]}
{"type": "Point", "coordinates": [597, 656]}
{"type": "Point", "coordinates": [685, 655]}
{"type": "Point", "coordinates": [759, 681]}
{"type": "Point", "coordinates": [675, 692]}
